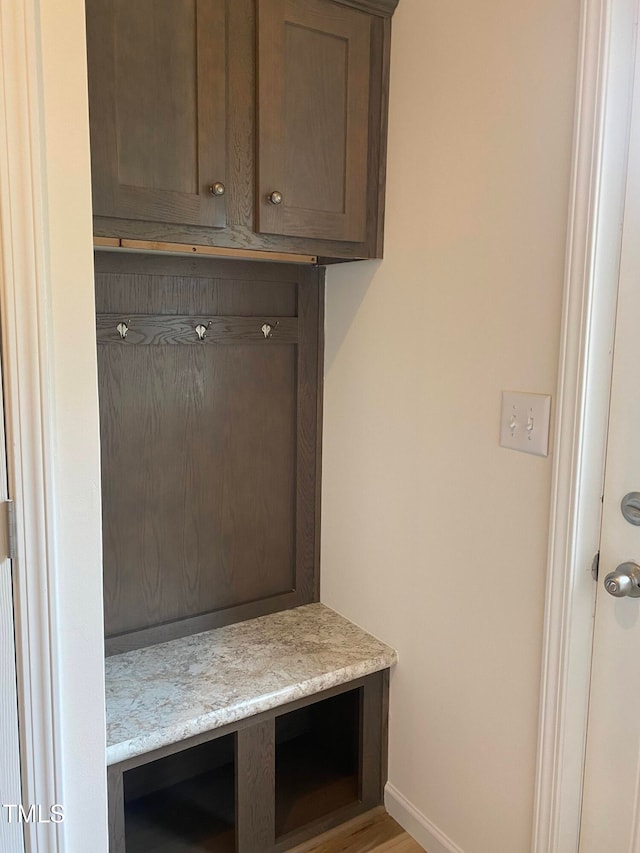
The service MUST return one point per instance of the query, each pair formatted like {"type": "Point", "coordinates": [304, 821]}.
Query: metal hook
{"type": "Point", "coordinates": [122, 328]}
{"type": "Point", "coordinates": [201, 331]}
{"type": "Point", "coordinates": [267, 329]}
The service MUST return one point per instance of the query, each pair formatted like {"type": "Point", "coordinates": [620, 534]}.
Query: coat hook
{"type": "Point", "coordinates": [122, 328]}
{"type": "Point", "coordinates": [201, 331]}
{"type": "Point", "coordinates": [267, 329]}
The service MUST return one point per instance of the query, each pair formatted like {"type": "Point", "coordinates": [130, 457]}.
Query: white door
{"type": "Point", "coordinates": [611, 799]}
{"type": "Point", "coordinates": [11, 829]}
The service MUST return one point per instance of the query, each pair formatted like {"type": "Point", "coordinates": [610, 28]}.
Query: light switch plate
{"type": "Point", "coordinates": [524, 422]}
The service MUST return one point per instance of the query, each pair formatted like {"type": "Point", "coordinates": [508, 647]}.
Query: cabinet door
{"type": "Point", "coordinates": [157, 93]}
{"type": "Point", "coordinates": [313, 116]}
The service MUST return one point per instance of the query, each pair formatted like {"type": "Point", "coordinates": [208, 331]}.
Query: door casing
{"type": "Point", "coordinates": [602, 123]}
{"type": "Point", "coordinates": [11, 831]}
{"type": "Point", "coordinates": [52, 446]}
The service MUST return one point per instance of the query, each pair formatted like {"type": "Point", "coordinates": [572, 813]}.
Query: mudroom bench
{"type": "Point", "coordinates": [248, 738]}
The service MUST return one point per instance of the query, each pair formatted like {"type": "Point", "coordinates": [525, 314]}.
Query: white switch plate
{"type": "Point", "coordinates": [524, 422]}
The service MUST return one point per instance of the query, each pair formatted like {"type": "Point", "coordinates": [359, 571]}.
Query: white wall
{"type": "Point", "coordinates": [434, 538]}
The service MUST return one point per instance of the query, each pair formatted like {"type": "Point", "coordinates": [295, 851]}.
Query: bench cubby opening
{"type": "Point", "coordinates": [318, 760]}
{"type": "Point", "coordinates": [184, 802]}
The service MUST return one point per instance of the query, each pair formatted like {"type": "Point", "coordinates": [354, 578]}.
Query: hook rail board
{"type": "Point", "coordinates": [159, 329]}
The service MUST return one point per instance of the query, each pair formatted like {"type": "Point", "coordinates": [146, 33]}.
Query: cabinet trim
{"type": "Point", "coordinates": [233, 237]}
{"type": "Point", "coordinates": [106, 242]}
{"type": "Point", "coordinates": [383, 8]}
{"type": "Point", "coordinates": [194, 249]}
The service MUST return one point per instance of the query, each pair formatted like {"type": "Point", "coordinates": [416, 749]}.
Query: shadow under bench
{"type": "Point", "coordinates": [249, 738]}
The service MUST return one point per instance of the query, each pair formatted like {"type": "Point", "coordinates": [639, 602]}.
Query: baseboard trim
{"type": "Point", "coordinates": [416, 824]}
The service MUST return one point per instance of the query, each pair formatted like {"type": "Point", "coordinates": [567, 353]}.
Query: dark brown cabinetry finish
{"type": "Point", "coordinates": [157, 92]}
{"type": "Point", "coordinates": [210, 441]}
{"type": "Point", "coordinates": [263, 96]}
{"type": "Point", "coordinates": [313, 127]}
{"type": "Point", "coordinates": [262, 785]}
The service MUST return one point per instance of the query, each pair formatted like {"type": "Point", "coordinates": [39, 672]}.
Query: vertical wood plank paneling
{"type": "Point", "coordinates": [255, 786]}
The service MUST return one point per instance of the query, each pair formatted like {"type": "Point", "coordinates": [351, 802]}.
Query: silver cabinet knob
{"type": "Point", "coordinates": [275, 197]}
{"type": "Point", "coordinates": [217, 189]}
{"type": "Point", "coordinates": [624, 581]}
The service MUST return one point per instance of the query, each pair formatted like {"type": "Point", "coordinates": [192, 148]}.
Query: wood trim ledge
{"type": "Point", "coordinates": [384, 8]}
{"type": "Point", "coordinates": [191, 249]}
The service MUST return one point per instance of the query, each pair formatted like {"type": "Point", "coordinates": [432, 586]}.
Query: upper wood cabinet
{"type": "Point", "coordinates": [313, 119]}
{"type": "Point", "coordinates": [244, 124]}
{"type": "Point", "coordinates": [157, 90]}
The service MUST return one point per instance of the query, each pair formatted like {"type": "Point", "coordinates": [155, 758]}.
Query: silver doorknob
{"type": "Point", "coordinates": [275, 197]}
{"type": "Point", "coordinates": [624, 581]}
{"type": "Point", "coordinates": [217, 189]}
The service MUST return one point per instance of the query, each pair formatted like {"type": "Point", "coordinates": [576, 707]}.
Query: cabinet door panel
{"type": "Point", "coordinates": [313, 113]}
{"type": "Point", "coordinates": [157, 106]}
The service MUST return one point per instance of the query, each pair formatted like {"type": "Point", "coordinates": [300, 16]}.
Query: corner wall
{"type": "Point", "coordinates": [434, 538]}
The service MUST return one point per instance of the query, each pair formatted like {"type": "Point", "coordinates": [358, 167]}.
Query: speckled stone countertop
{"type": "Point", "coordinates": [167, 693]}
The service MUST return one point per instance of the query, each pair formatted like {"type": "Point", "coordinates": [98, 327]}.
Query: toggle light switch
{"type": "Point", "coordinates": [524, 422]}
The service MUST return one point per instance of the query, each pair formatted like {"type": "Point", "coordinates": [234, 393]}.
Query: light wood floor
{"type": "Point", "coordinates": [376, 832]}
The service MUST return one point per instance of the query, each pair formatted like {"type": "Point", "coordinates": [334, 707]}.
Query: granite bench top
{"type": "Point", "coordinates": [169, 692]}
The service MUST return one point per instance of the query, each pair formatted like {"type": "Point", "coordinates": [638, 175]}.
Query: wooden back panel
{"type": "Point", "coordinates": [209, 448]}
